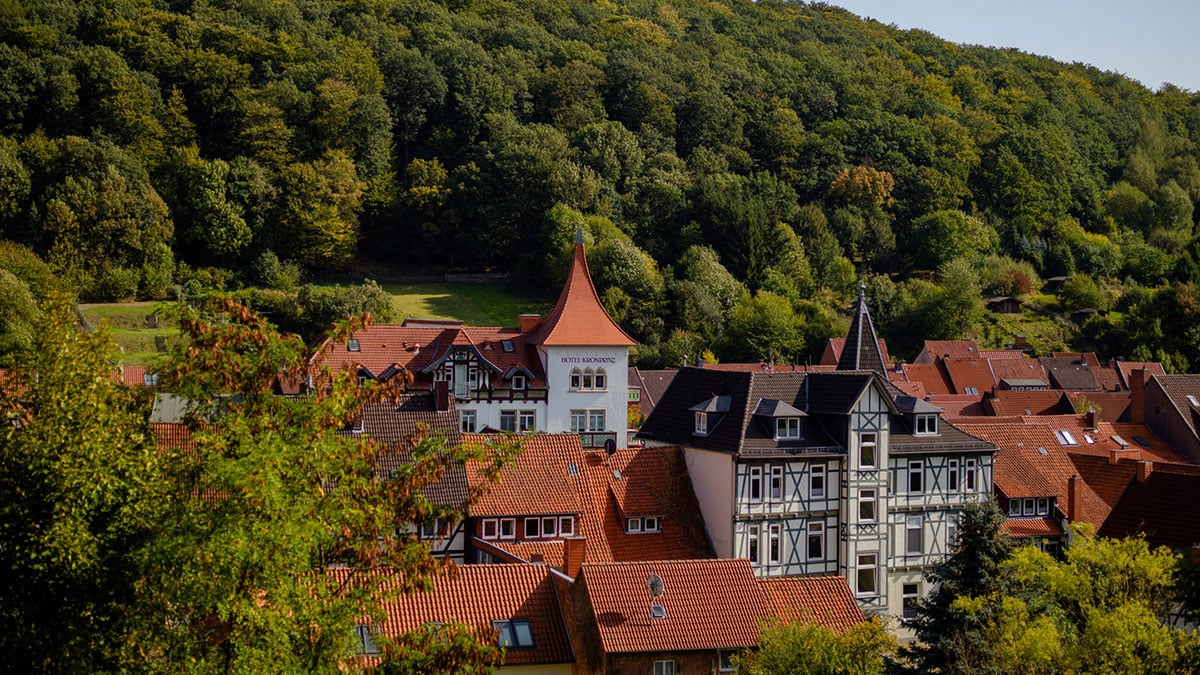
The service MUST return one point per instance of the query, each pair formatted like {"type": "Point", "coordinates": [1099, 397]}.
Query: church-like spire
{"type": "Point", "coordinates": [578, 318]}
{"type": "Point", "coordinates": [861, 351]}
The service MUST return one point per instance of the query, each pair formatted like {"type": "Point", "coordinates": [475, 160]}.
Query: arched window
{"type": "Point", "coordinates": [601, 379]}
{"type": "Point", "coordinates": [576, 378]}
{"type": "Point", "coordinates": [588, 380]}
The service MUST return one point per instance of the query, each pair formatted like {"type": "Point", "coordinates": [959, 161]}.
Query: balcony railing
{"type": "Point", "coordinates": [504, 395]}
{"type": "Point", "coordinates": [596, 439]}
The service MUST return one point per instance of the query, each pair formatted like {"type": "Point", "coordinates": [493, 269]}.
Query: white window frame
{"type": "Point", "coordinates": [701, 428]}
{"type": "Point", "coordinates": [725, 661]}
{"type": "Point", "coordinates": [753, 532]}
{"type": "Point", "coordinates": [518, 382]}
{"type": "Point", "coordinates": [549, 526]}
{"type": "Point", "coordinates": [352, 345]}
{"type": "Point", "coordinates": [588, 380]}
{"type": "Point", "coordinates": [511, 523]}
{"type": "Point", "coordinates": [634, 396]}
{"type": "Point", "coordinates": [597, 420]}
{"type": "Point", "coordinates": [755, 484]}
{"type": "Point", "coordinates": [816, 533]}
{"type": "Point", "coordinates": [816, 481]}
{"type": "Point", "coordinates": [664, 667]}
{"type": "Point", "coordinates": [566, 526]}
{"type": "Point", "coordinates": [1014, 507]}
{"type": "Point", "coordinates": [868, 562]}
{"type": "Point", "coordinates": [578, 421]}
{"type": "Point", "coordinates": [926, 425]}
{"type": "Point", "coordinates": [868, 439]}
{"type": "Point", "coordinates": [914, 534]}
{"type": "Point", "coordinates": [508, 420]}
{"type": "Point", "coordinates": [467, 421]}
{"type": "Point", "coordinates": [909, 594]}
{"type": "Point", "coordinates": [1028, 506]}
{"type": "Point", "coordinates": [952, 478]}
{"type": "Point", "coordinates": [600, 383]}
{"type": "Point", "coordinates": [1043, 506]}
{"type": "Point", "coordinates": [650, 523]}
{"type": "Point", "coordinates": [576, 381]}
{"type": "Point", "coordinates": [787, 428]}
{"type": "Point", "coordinates": [777, 483]}
{"type": "Point", "coordinates": [951, 531]}
{"type": "Point", "coordinates": [868, 498]}
{"type": "Point", "coordinates": [969, 479]}
{"type": "Point", "coordinates": [916, 474]}
{"type": "Point", "coordinates": [633, 525]}
{"type": "Point", "coordinates": [774, 543]}
{"type": "Point", "coordinates": [526, 420]}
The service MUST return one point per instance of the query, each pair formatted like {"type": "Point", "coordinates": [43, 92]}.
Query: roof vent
{"type": "Point", "coordinates": [658, 612]}
{"type": "Point", "coordinates": [1120, 441]}
{"type": "Point", "coordinates": [1042, 450]}
{"type": "Point", "coordinates": [572, 469]}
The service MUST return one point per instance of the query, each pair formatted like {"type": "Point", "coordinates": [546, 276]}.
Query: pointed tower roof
{"type": "Point", "coordinates": [578, 318]}
{"type": "Point", "coordinates": [862, 345]}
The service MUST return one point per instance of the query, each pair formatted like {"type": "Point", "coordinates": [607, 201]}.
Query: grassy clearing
{"type": "Point", "coordinates": [474, 304]}
{"type": "Point", "coordinates": [127, 324]}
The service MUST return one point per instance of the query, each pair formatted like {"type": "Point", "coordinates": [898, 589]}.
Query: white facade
{"type": "Point", "coordinates": [578, 401]}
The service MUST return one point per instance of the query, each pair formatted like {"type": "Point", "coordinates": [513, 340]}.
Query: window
{"type": "Point", "coordinates": [429, 529]}
{"type": "Point", "coordinates": [914, 534]}
{"type": "Point", "coordinates": [473, 379]}
{"type": "Point", "coordinates": [725, 661]}
{"type": "Point", "coordinates": [927, 425]}
{"type": "Point", "coordinates": [650, 524]}
{"type": "Point", "coordinates": [1027, 506]}
{"type": "Point", "coordinates": [755, 483]}
{"type": "Point", "coordinates": [866, 450]}
{"type": "Point", "coordinates": [527, 420]}
{"type": "Point", "coordinates": [513, 634]}
{"type": "Point", "coordinates": [566, 526]}
{"type": "Point", "coordinates": [508, 528]}
{"type": "Point", "coordinates": [548, 527]}
{"type": "Point", "coordinates": [366, 639]}
{"type": "Point", "coordinates": [635, 395]}
{"type": "Point", "coordinates": [578, 421]}
{"type": "Point", "coordinates": [491, 528]}
{"type": "Point", "coordinates": [916, 476]}
{"type": "Point", "coordinates": [531, 528]}
{"type": "Point", "coordinates": [951, 531]}
{"type": "Point", "coordinates": [587, 379]}
{"type": "Point", "coordinates": [601, 382]}
{"type": "Point", "coordinates": [596, 420]}
{"type": "Point", "coordinates": [866, 506]}
{"type": "Point", "coordinates": [752, 543]}
{"type": "Point", "coordinates": [352, 345]}
{"type": "Point", "coordinates": [787, 427]}
{"type": "Point", "coordinates": [576, 378]}
{"type": "Point", "coordinates": [952, 476]}
{"type": "Point", "coordinates": [508, 420]}
{"type": "Point", "coordinates": [774, 543]}
{"type": "Point", "coordinates": [150, 379]}
{"type": "Point", "coordinates": [969, 479]}
{"type": "Point", "coordinates": [1043, 506]}
{"type": "Point", "coordinates": [518, 382]}
{"type": "Point", "coordinates": [911, 594]}
{"type": "Point", "coordinates": [466, 420]}
{"type": "Point", "coordinates": [633, 525]}
{"type": "Point", "coordinates": [816, 540]}
{"type": "Point", "coordinates": [1064, 437]}
{"type": "Point", "coordinates": [1014, 507]}
{"type": "Point", "coordinates": [507, 345]}
{"type": "Point", "coordinates": [973, 391]}
{"type": "Point", "coordinates": [701, 424]}
{"type": "Point", "coordinates": [664, 668]}
{"type": "Point", "coordinates": [868, 567]}
{"type": "Point", "coordinates": [816, 482]}
{"type": "Point", "coordinates": [777, 482]}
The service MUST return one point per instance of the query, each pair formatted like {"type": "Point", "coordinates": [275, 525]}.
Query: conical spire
{"type": "Point", "coordinates": [578, 318]}
{"type": "Point", "coordinates": [861, 351]}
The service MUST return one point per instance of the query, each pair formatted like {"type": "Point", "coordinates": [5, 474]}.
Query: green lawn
{"type": "Point", "coordinates": [127, 324]}
{"type": "Point", "coordinates": [474, 304]}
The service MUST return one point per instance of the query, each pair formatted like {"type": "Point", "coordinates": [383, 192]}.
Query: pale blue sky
{"type": "Point", "coordinates": [1152, 41]}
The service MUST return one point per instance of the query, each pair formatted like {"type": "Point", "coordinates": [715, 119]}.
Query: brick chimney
{"type": "Point", "coordinates": [1072, 498]}
{"type": "Point", "coordinates": [441, 395]}
{"type": "Point", "coordinates": [574, 550]}
{"type": "Point", "coordinates": [1089, 420]}
{"type": "Point", "coordinates": [1114, 455]}
{"type": "Point", "coordinates": [527, 323]}
{"type": "Point", "coordinates": [1137, 396]}
{"type": "Point", "coordinates": [1145, 468]}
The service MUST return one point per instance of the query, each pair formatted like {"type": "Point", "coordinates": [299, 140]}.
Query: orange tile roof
{"type": "Point", "coordinates": [710, 604]}
{"type": "Point", "coordinates": [939, 349]}
{"type": "Point", "coordinates": [1033, 527]}
{"type": "Point", "coordinates": [538, 482]}
{"type": "Point", "coordinates": [174, 435]}
{"type": "Point", "coordinates": [1109, 481]}
{"type": "Point", "coordinates": [833, 349]}
{"type": "Point", "coordinates": [1110, 405]}
{"type": "Point", "coordinates": [130, 376]}
{"type": "Point", "coordinates": [655, 479]}
{"type": "Point", "coordinates": [1017, 402]}
{"type": "Point", "coordinates": [968, 373]}
{"type": "Point", "coordinates": [930, 375]}
{"type": "Point", "coordinates": [1002, 354]}
{"type": "Point", "coordinates": [478, 594]}
{"type": "Point", "coordinates": [825, 601]}
{"type": "Point", "coordinates": [955, 406]}
{"type": "Point", "coordinates": [914, 389]}
{"type": "Point", "coordinates": [1018, 369]}
{"type": "Point", "coordinates": [1158, 450]}
{"type": "Point", "coordinates": [578, 318]}
{"type": "Point", "coordinates": [551, 550]}
{"type": "Point", "coordinates": [1125, 370]}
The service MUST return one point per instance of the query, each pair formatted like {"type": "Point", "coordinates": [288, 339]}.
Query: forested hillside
{"type": "Point", "coordinates": [737, 165]}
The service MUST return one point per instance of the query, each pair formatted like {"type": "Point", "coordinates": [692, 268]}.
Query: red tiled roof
{"type": "Point", "coordinates": [130, 376]}
{"type": "Point", "coordinates": [1158, 450]}
{"type": "Point", "coordinates": [955, 406]}
{"type": "Point", "coordinates": [833, 350]}
{"type": "Point", "coordinates": [476, 595]}
{"type": "Point", "coordinates": [174, 435]}
{"type": "Point", "coordinates": [710, 604]}
{"type": "Point", "coordinates": [1016, 402]}
{"type": "Point", "coordinates": [1002, 354]}
{"type": "Point", "coordinates": [1032, 527]}
{"type": "Point", "coordinates": [1125, 370]}
{"type": "Point", "coordinates": [969, 373]}
{"type": "Point", "coordinates": [914, 389]}
{"type": "Point", "coordinates": [538, 482]}
{"type": "Point", "coordinates": [1110, 405]}
{"type": "Point", "coordinates": [655, 479]}
{"type": "Point", "coordinates": [1017, 369]}
{"type": "Point", "coordinates": [551, 550]}
{"type": "Point", "coordinates": [930, 375]}
{"type": "Point", "coordinates": [939, 349]}
{"type": "Point", "coordinates": [1109, 481]}
{"type": "Point", "coordinates": [1160, 506]}
{"type": "Point", "coordinates": [578, 318]}
{"type": "Point", "coordinates": [825, 601]}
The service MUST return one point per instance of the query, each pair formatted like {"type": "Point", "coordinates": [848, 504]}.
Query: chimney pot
{"type": "Point", "coordinates": [574, 550]}
{"type": "Point", "coordinates": [527, 323]}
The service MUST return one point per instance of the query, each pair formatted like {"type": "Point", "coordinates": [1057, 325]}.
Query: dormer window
{"type": "Point", "coordinates": [701, 424]}
{"type": "Point", "coordinates": [787, 427]}
{"type": "Point", "coordinates": [926, 425]}
{"type": "Point", "coordinates": [517, 383]}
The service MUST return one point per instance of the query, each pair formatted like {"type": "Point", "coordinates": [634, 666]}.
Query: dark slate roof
{"type": "Point", "coordinates": [1178, 388]}
{"type": "Point", "coordinates": [949, 440]}
{"type": "Point", "coordinates": [771, 408]}
{"type": "Point", "coordinates": [837, 393]}
{"type": "Point", "coordinates": [861, 351]}
{"type": "Point", "coordinates": [1070, 373]}
{"type": "Point", "coordinates": [911, 405]}
{"type": "Point", "coordinates": [399, 425]}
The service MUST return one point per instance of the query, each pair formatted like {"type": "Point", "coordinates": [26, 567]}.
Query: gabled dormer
{"type": "Point", "coordinates": [783, 421]}
{"type": "Point", "coordinates": [923, 417]}
{"type": "Point", "coordinates": [708, 414]}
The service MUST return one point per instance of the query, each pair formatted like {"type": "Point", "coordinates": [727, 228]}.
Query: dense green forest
{"type": "Point", "coordinates": [737, 165]}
